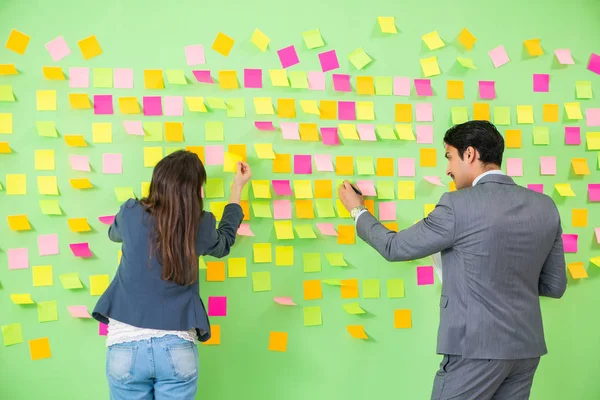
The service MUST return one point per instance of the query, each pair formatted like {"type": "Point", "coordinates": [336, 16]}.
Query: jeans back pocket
{"type": "Point", "coordinates": [120, 362]}
{"type": "Point", "coordinates": [183, 358]}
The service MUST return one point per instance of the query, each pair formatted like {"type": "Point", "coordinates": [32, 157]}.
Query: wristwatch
{"type": "Point", "coordinates": [356, 210]}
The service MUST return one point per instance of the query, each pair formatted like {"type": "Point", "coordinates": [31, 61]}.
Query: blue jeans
{"type": "Point", "coordinates": [160, 368]}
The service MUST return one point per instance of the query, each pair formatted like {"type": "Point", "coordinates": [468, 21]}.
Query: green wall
{"type": "Point", "coordinates": [321, 362]}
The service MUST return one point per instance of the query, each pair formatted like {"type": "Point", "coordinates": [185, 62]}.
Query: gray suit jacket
{"type": "Point", "coordinates": [501, 249]}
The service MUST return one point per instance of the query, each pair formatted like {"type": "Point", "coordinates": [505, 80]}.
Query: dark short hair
{"type": "Point", "coordinates": [481, 135]}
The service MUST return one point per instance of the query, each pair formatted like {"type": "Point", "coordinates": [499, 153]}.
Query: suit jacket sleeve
{"type": "Point", "coordinates": [553, 278]}
{"type": "Point", "coordinates": [428, 236]}
{"type": "Point", "coordinates": [114, 231]}
{"type": "Point", "coordinates": [220, 240]}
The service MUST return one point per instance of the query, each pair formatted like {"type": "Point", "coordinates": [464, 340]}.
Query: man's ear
{"type": "Point", "coordinates": [471, 154]}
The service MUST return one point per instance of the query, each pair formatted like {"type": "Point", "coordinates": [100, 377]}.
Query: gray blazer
{"type": "Point", "coordinates": [501, 249]}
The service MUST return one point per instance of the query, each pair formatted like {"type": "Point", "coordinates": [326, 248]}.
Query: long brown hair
{"type": "Point", "coordinates": [175, 202]}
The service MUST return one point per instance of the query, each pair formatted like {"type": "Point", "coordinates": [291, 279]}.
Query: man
{"type": "Point", "coordinates": [501, 248]}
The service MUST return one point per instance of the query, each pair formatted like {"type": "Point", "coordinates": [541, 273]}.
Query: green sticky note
{"type": "Point", "coordinates": [153, 132]}
{"type": "Point", "coordinates": [384, 85]}
{"type": "Point", "coordinates": [299, 79]}
{"type": "Point", "coordinates": [333, 282]}
{"type": "Point", "coordinates": [541, 135]}
{"type": "Point", "coordinates": [70, 281]}
{"type": "Point", "coordinates": [6, 93]}
{"type": "Point", "coordinates": [584, 89]}
{"type": "Point", "coordinates": [124, 193]}
{"type": "Point", "coordinates": [244, 195]}
{"type": "Point", "coordinates": [312, 316]}
{"type": "Point", "coordinates": [46, 128]}
{"type": "Point", "coordinates": [312, 262]}
{"type": "Point", "coordinates": [262, 209]}
{"type": "Point", "coordinates": [176, 77]}
{"type": "Point", "coordinates": [353, 308]}
{"type": "Point", "coordinates": [501, 115]}
{"type": "Point", "coordinates": [236, 108]}
{"type": "Point", "coordinates": [214, 131]}
{"type": "Point", "coordinates": [359, 58]}
{"type": "Point", "coordinates": [214, 188]}
{"type": "Point", "coordinates": [305, 231]}
{"type": "Point", "coordinates": [336, 259]}
{"type": "Point", "coordinates": [371, 289]}
{"type": "Point", "coordinates": [261, 281]}
{"type": "Point", "coordinates": [171, 150]}
{"type": "Point", "coordinates": [395, 288]}
{"type": "Point", "coordinates": [12, 334]}
{"type": "Point", "coordinates": [103, 77]}
{"type": "Point", "coordinates": [364, 165]}
{"type": "Point", "coordinates": [385, 190]}
{"type": "Point", "coordinates": [216, 103]}
{"type": "Point", "coordinates": [459, 115]}
{"type": "Point", "coordinates": [202, 263]}
{"type": "Point", "coordinates": [50, 207]}
{"type": "Point", "coordinates": [325, 208]}
{"type": "Point", "coordinates": [47, 311]}
{"type": "Point", "coordinates": [313, 39]}
{"type": "Point", "coordinates": [385, 131]}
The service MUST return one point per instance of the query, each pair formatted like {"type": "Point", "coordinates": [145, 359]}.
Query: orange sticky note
{"type": "Point", "coordinates": [75, 141]}
{"type": "Point", "coordinates": [18, 222]}
{"type": "Point", "coordinates": [580, 166]}
{"type": "Point", "coordinates": [153, 79]}
{"type": "Point", "coordinates": [384, 167]}
{"type": "Point", "coordinates": [215, 271]}
{"type": "Point", "coordinates": [215, 336]}
{"type": "Point", "coordinates": [89, 47]}
{"type": "Point", "coordinates": [455, 89]}
{"type": "Point", "coordinates": [365, 85]}
{"type": "Point", "coordinates": [129, 105]}
{"type": "Point", "coordinates": [392, 226]}
{"type": "Point", "coordinates": [79, 101]}
{"type": "Point", "coordinates": [286, 108]}
{"type": "Point", "coordinates": [534, 47]}
{"type": "Point", "coordinates": [174, 132]}
{"type": "Point", "coordinates": [513, 139]}
{"type": "Point", "coordinates": [349, 288]}
{"type": "Point", "coordinates": [305, 209]}
{"type": "Point", "coordinates": [579, 217]}
{"type": "Point", "coordinates": [228, 80]}
{"type": "Point", "coordinates": [79, 225]}
{"type": "Point", "coordinates": [550, 113]}
{"type": "Point", "coordinates": [323, 189]}
{"type": "Point", "coordinates": [278, 341]}
{"type": "Point", "coordinates": [282, 164]}
{"type": "Point", "coordinates": [246, 209]}
{"type": "Point", "coordinates": [481, 111]}
{"type": "Point", "coordinates": [8, 69]}
{"type": "Point", "coordinates": [5, 148]}
{"type": "Point", "coordinates": [403, 112]}
{"type": "Point", "coordinates": [313, 290]}
{"type": "Point", "coordinates": [17, 42]}
{"type": "Point", "coordinates": [198, 150]}
{"type": "Point", "coordinates": [53, 73]}
{"type": "Point", "coordinates": [370, 204]}
{"type": "Point", "coordinates": [402, 319]}
{"type": "Point", "coordinates": [238, 149]}
{"type": "Point", "coordinates": [344, 165]}
{"type": "Point", "coordinates": [428, 158]}
{"type": "Point", "coordinates": [467, 39]}
{"type": "Point", "coordinates": [357, 331]}
{"type": "Point", "coordinates": [346, 234]}
{"type": "Point", "coordinates": [39, 348]}
{"type": "Point", "coordinates": [223, 44]}
{"type": "Point", "coordinates": [309, 132]}
{"type": "Point", "coordinates": [577, 270]}
{"type": "Point", "coordinates": [328, 109]}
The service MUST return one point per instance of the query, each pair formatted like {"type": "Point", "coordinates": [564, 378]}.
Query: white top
{"type": "Point", "coordinates": [119, 332]}
{"type": "Point", "coordinates": [492, 172]}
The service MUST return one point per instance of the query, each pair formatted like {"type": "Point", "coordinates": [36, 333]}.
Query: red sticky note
{"type": "Point", "coordinates": [253, 78]}
{"type": "Point", "coordinates": [423, 87]}
{"type": "Point", "coordinates": [217, 306]}
{"type": "Point", "coordinates": [570, 242]}
{"type": "Point", "coordinates": [329, 61]}
{"type": "Point", "coordinates": [288, 56]}
{"type": "Point", "coordinates": [81, 250]}
{"type": "Point", "coordinates": [302, 164]}
{"type": "Point", "coordinates": [541, 82]}
{"type": "Point", "coordinates": [341, 83]}
{"type": "Point", "coordinates": [103, 104]}
{"type": "Point", "coordinates": [424, 276]}
{"type": "Point", "coordinates": [346, 111]}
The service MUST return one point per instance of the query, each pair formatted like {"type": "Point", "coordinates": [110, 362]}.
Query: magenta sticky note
{"type": "Point", "coordinates": [316, 80]}
{"type": "Point", "coordinates": [329, 61]}
{"type": "Point", "coordinates": [302, 164]}
{"type": "Point", "coordinates": [572, 135]}
{"type": "Point", "coordinates": [264, 125]}
{"type": "Point", "coordinates": [194, 54]}
{"type": "Point", "coordinates": [330, 136]}
{"type": "Point", "coordinates": [346, 110]}
{"type": "Point", "coordinates": [548, 165]}
{"type": "Point", "coordinates": [424, 112]}
{"type": "Point", "coordinates": [594, 192]}
{"type": "Point", "coordinates": [244, 230]}
{"type": "Point", "coordinates": [323, 162]}
{"type": "Point", "coordinates": [58, 48]}
{"type": "Point", "coordinates": [401, 86]}
{"type": "Point", "coordinates": [282, 209]}
{"type": "Point", "coordinates": [514, 166]}
{"type": "Point", "coordinates": [134, 128]}
{"type": "Point", "coordinates": [541, 82]}
{"type": "Point", "coordinates": [253, 78]}
{"type": "Point", "coordinates": [174, 106]}
{"type": "Point", "coordinates": [18, 258]}
{"type": "Point", "coordinates": [217, 306]}
{"type": "Point", "coordinates": [123, 78]}
{"type": "Point", "coordinates": [498, 56]}
{"type": "Point", "coordinates": [423, 87]}
{"type": "Point", "coordinates": [214, 155]}
{"type": "Point", "coordinates": [282, 187]}
{"type": "Point", "coordinates": [367, 187]}
{"type": "Point", "coordinates": [107, 219]}
{"type": "Point", "coordinates": [102, 329]}
{"type": "Point", "coordinates": [289, 130]}
{"type": "Point", "coordinates": [203, 76]}
{"type": "Point", "coordinates": [81, 250]}
{"type": "Point", "coordinates": [564, 56]}
{"type": "Point", "coordinates": [487, 90]}
{"type": "Point", "coordinates": [594, 63]}
{"type": "Point", "coordinates": [341, 83]}
{"type": "Point", "coordinates": [387, 210]}
{"type": "Point", "coordinates": [406, 167]}
{"type": "Point", "coordinates": [327, 229]}
{"type": "Point", "coordinates": [536, 187]}
{"type": "Point", "coordinates": [103, 104]}
{"type": "Point", "coordinates": [80, 163]}
{"type": "Point", "coordinates": [79, 312]}
{"type": "Point", "coordinates": [424, 275]}
{"type": "Point", "coordinates": [79, 77]}
{"type": "Point", "coordinates": [366, 132]}
{"type": "Point", "coordinates": [424, 134]}
{"type": "Point", "coordinates": [48, 244]}
{"type": "Point", "coordinates": [288, 56]}
{"type": "Point", "coordinates": [152, 105]}
{"type": "Point", "coordinates": [592, 116]}
{"type": "Point", "coordinates": [570, 242]}
{"type": "Point", "coordinates": [112, 163]}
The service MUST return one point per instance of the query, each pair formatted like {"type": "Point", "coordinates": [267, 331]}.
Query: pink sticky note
{"type": "Point", "coordinates": [152, 105]}
{"type": "Point", "coordinates": [289, 130]}
{"type": "Point", "coordinates": [214, 155]}
{"type": "Point", "coordinates": [302, 164]}
{"type": "Point", "coordinates": [264, 125]}
{"type": "Point", "coordinates": [594, 192]}
{"type": "Point", "coordinates": [366, 132]}
{"type": "Point", "coordinates": [548, 165]}
{"type": "Point", "coordinates": [194, 54]}
{"type": "Point", "coordinates": [288, 56]}
{"type": "Point", "coordinates": [498, 56]}
{"type": "Point", "coordinates": [387, 210]}
{"type": "Point", "coordinates": [541, 82]}
{"type": "Point", "coordinates": [346, 111]}
{"type": "Point", "coordinates": [592, 116]}
{"type": "Point", "coordinates": [316, 80]}
{"type": "Point", "coordinates": [514, 166]}
{"type": "Point", "coordinates": [327, 229]}
{"type": "Point", "coordinates": [48, 244]}
{"type": "Point", "coordinates": [424, 112]}
{"type": "Point", "coordinates": [487, 90]}
{"type": "Point", "coordinates": [330, 136]}
{"type": "Point", "coordinates": [564, 56]}
{"type": "Point", "coordinates": [594, 63]}
{"type": "Point", "coordinates": [58, 49]}
{"type": "Point", "coordinates": [79, 77]}
{"type": "Point", "coordinates": [401, 86]}
{"type": "Point", "coordinates": [536, 187]}
{"type": "Point", "coordinates": [282, 209]}
{"type": "Point", "coordinates": [424, 134]}
{"type": "Point", "coordinates": [123, 78]}
{"type": "Point", "coordinates": [323, 162]}
{"type": "Point", "coordinates": [107, 219]}
{"type": "Point", "coordinates": [244, 230]}
{"type": "Point", "coordinates": [341, 83]}
{"type": "Point", "coordinates": [424, 276]}
{"type": "Point", "coordinates": [81, 250]}
{"type": "Point", "coordinates": [112, 163]}
{"type": "Point", "coordinates": [570, 242]}
{"type": "Point", "coordinates": [79, 312]}
{"type": "Point", "coordinates": [284, 301]}
{"type": "Point", "coordinates": [134, 128]}
{"type": "Point", "coordinates": [253, 78]}
{"type": "Point", "coordinates": [282, 187]}
{"type": "Point", "coordinates": [79, 163]}
{"type": "Point", "coordinates": [328, 60]}
{"type": "Point", "coordinates": [103, 104]}
{"type": "Point", "coordinates": [423, 87]}
{"type": "Point", "coordinates": [367, 188]}
{"type": "Point", "coordinates": [572, 135]}
{"type": "Point", "coordinates": [18, 258]}
{"type": "Point", "coordinates": [597, 230]}
{"type": "Point", "coordinates": [102, 329]}
{"type": "Point", "coordinates": [174, 106]}
{"type": "Point", "coordinates": [203, 76]}
{"type": "Point", "coordinates": [217, 306]}
{"type": "Point", "coordinates": [434, 180]}
{"type": "Point", "coordinates": [406, 167]}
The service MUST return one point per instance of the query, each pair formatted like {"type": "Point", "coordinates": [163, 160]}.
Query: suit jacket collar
{"type": "Point", "coordinates": [496, 178]}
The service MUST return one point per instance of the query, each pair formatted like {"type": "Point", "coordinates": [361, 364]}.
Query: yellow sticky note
{"type": "Point", "coordinates": [564, 189]}
{"type": "Point", "coordinates": [262, 253]}
{"type": "Point", "coordinates": [195, 104]}
{"type": "Point", "coordinates": [433, 40]}
{"type": "Point", "coordinates": [8, 69]}
{"type": "Point", "coordinates": [405, 132]}
{"type": "Point", "coordinates": [348, 131]}
{"type": "Point", "coordinates": [403, 113]}
{"type": "Point", "coordinates": [21, 299]}
{"type": "Point", "coordinates": [579, 217]}
{"type": "Point", "coordinates": [284, 256]}
{"type": "Point", "coordinates": [152, 155]}
{"type": "Point", "coordinates": [428, 158]}
{"type": "Point", "coordinates": [46, 100]}
{"type": "Point", "coordinates": [592, 140]}
{"type": "Point", "coordinates": [455, 89]}
{"type": "Point", "coordinates": [236, 267]}
{"type": "Point", "coordinates": [216, 103]}
{"type": "Point", "coordinates": [53, 73]}
{"type": "Point", "coordinates": [365, 85]}
{"type": "Point", "coordinates": [260, 40]}
{"type": "Point", "coordinates": [427, 208]}
{"type": "Point", "coordinates": [102, 132]}
{"type": "Point", "coordinates": [44, 160]}
{"type": "Point", "coordinates": [573, 110]}
{"type": "Point", "coordinates": [6, 123]}
{"type": "Point", "coordinates": [577, 270]}
{"type": "Point", "coordinates": [79, 225]}
{"type": "Point", "coordinates": [42, 275]}
{"type": "Point", "coordinates": [279, 77]}
{"type": "Point", "coordinates": [595, 261]}
{"type": "Point", "coordinates": [344, 165]}
{"type": "Point", "coordinates": [47, 185]}
{"type": "Point", "coordinates": [81, 183]}
{"type": "Point", "coordinates": [263, 106]}
{"type": "Point", "coordinates": [98, 284]}
{"type": "Point", "coordinates": [223, 44]}
{"type": "Point", "coordinates": [525, 114]}
{"type": "Point", "coordinates": [534, 47]}
{"type": "Point", "coordinates": [303, 189]}
{"type": "Point", "coordinates": [153, 79]}
{"type": "Point", "coordinates": [357, 331]}
{"type": "Point", "coordinates": [16, 184]}
{"type": "Point", "coordinates": [430, 66]}
{"type": "Point", "coordinates": [283, 230]}
{"type": "Point", "coordinates": [310, 107]}
{"type": "Point", "coordinates": [228, 80]}
{"type": "Point", "coordinates": [261, 189]}
{"type": "Point", "coordinates": [387, 24]}
{"type": "Point", "coordinates": [89, 47]}
{"type": "Point", "coordinates": [5, 149]}
{"type": "Point", "coordinates": [406, 190]}
{"type": "Point", "coordinates": [466, 38]}
{"type": "Point", "coordinates": [79, 101]}
{"type": "Point", "coordinates": [129, 105]}
{"type": "Point", "coordinates": [75, 141]}
{"type": "Point", "coordinates": [264, 151]}
{"type": "Point", "coordinates": [286, 108]}
{"type": "Point", "coordinates": [17, 42]}
{"type": "Point", "coordinates": [18, 222]}
{"type": "Point", "coordinates": [580, 166]}
{"type": "Point", "coordinates": [365, 111]}
{"type": "Point", "coordinates": [309, 132]}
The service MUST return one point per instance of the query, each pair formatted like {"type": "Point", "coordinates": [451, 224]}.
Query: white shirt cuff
{"type": "Point", "coordinates": [359, 214]}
